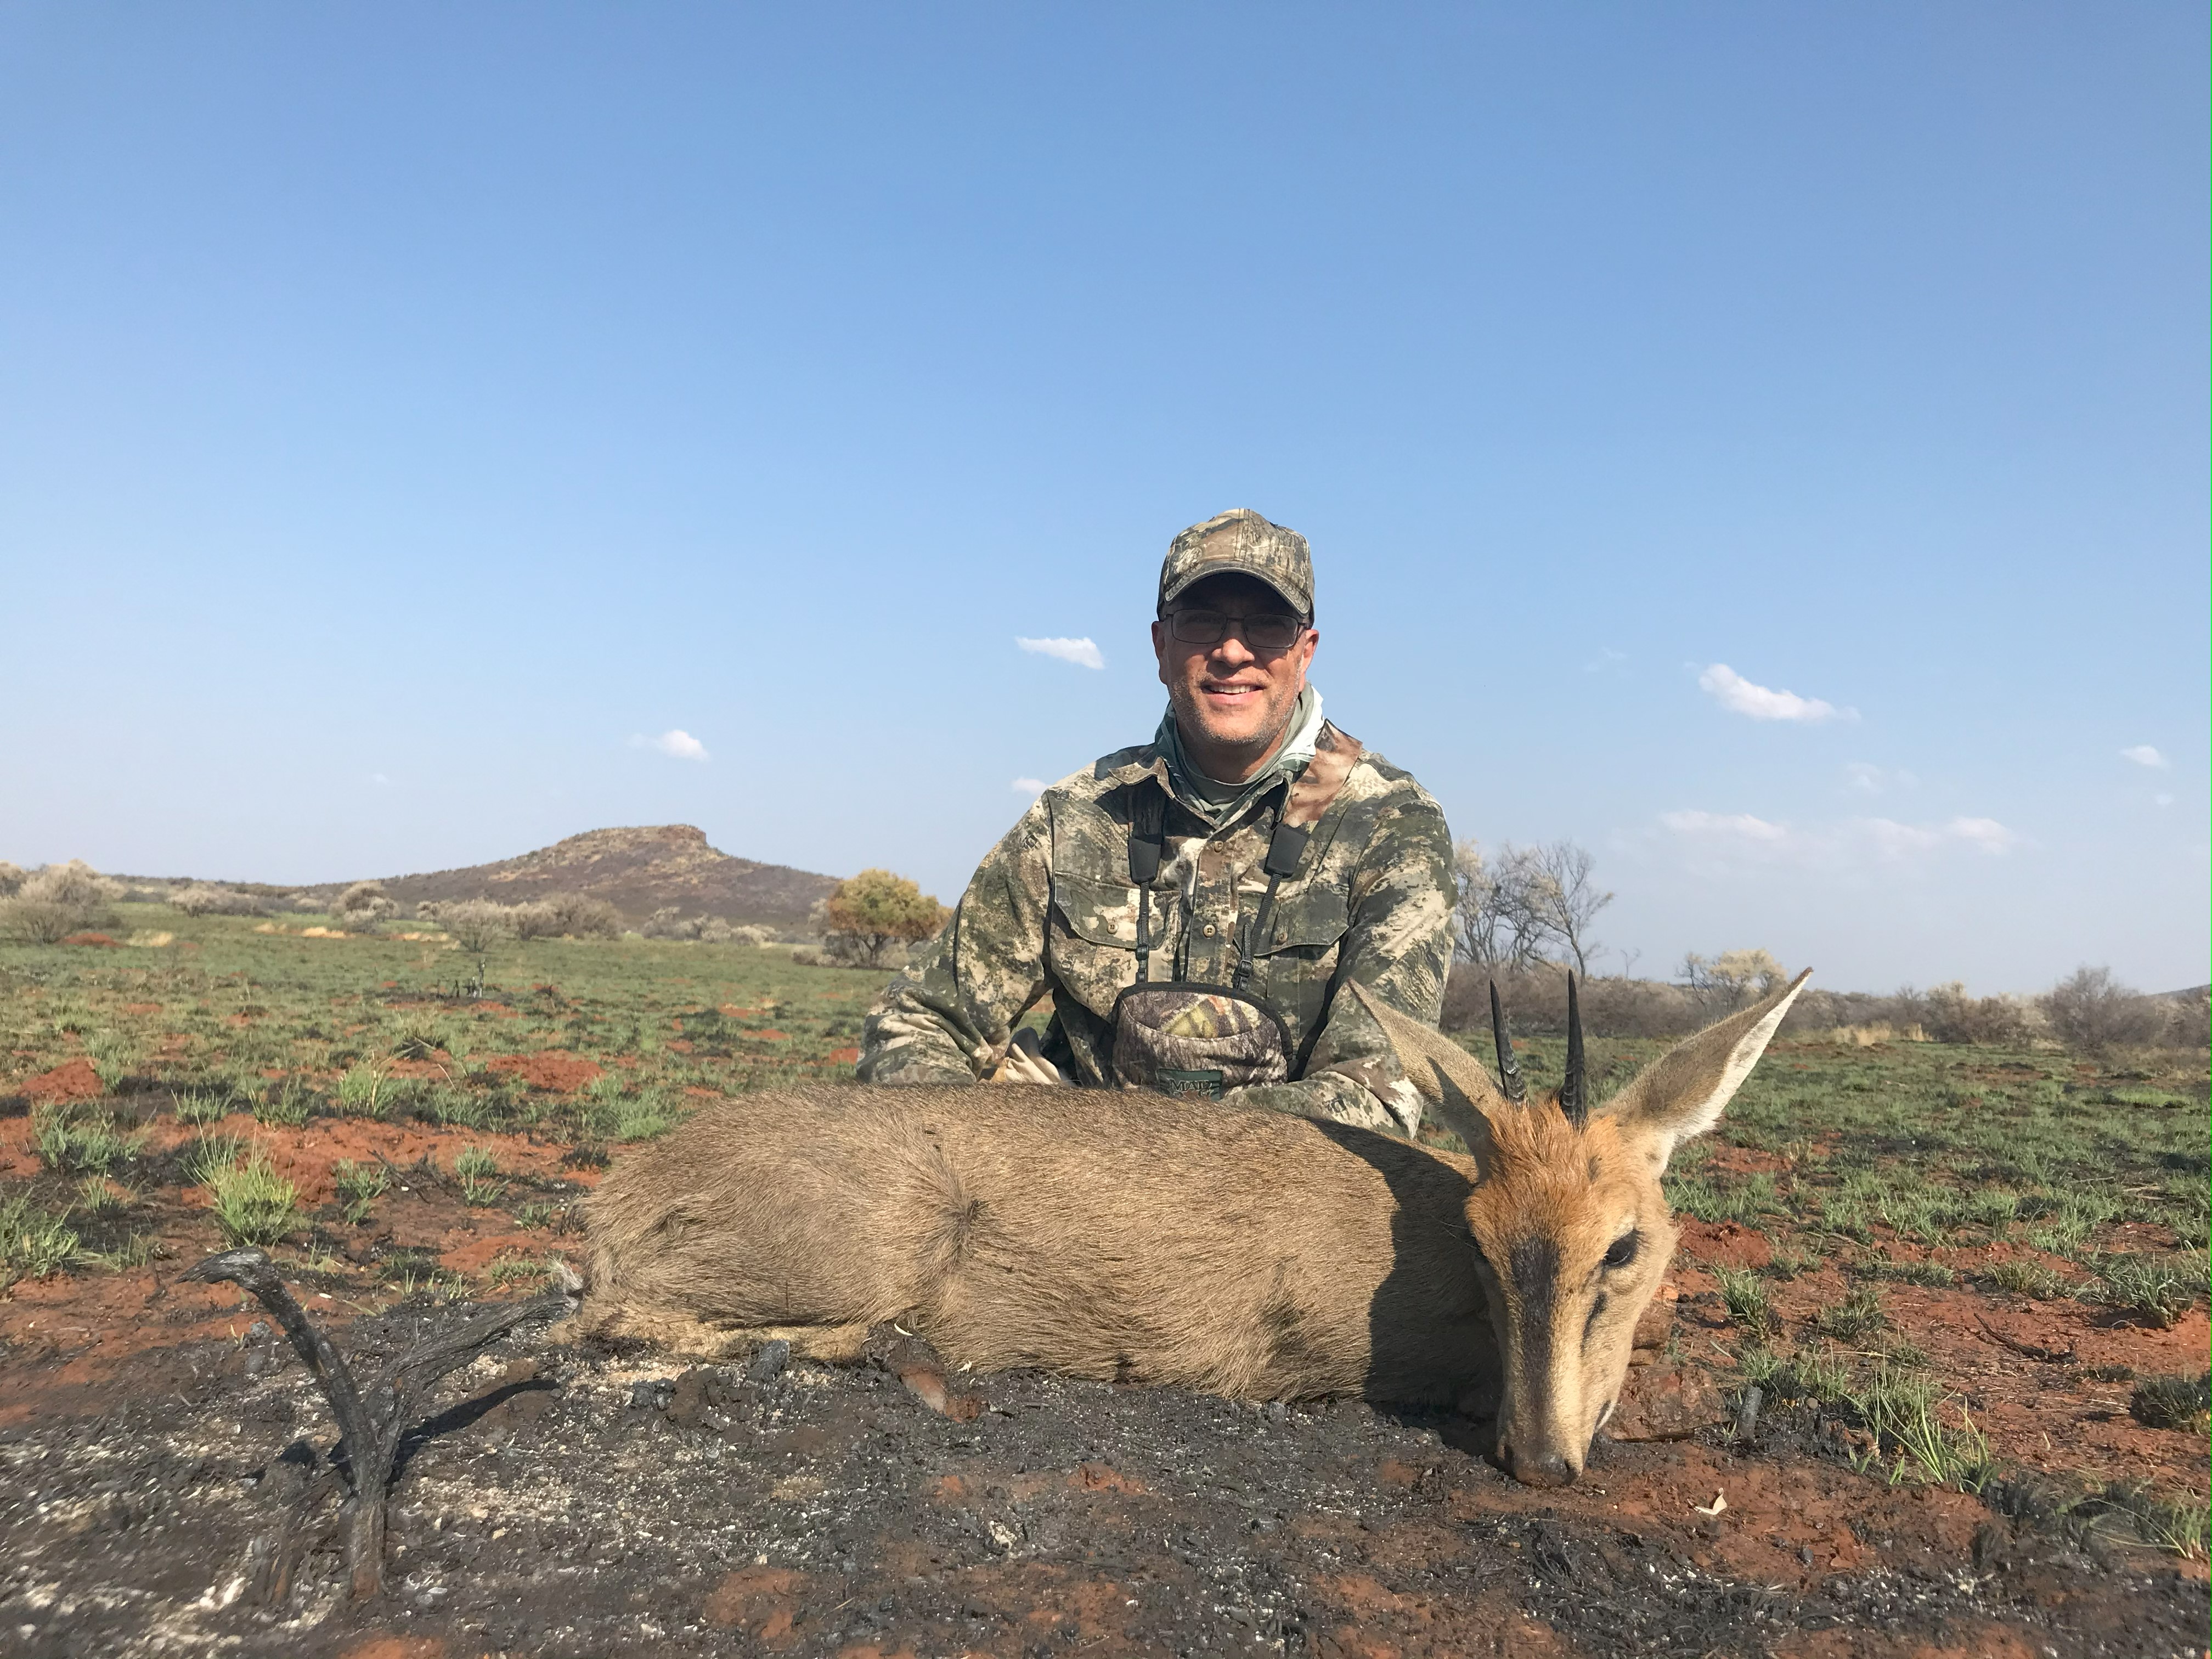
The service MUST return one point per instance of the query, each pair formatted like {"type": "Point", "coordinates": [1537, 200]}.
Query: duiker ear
{"type": "Point", "coordinates": [1449, 1078]}
{"type": "Point", "coordinates": [1680, 1094]}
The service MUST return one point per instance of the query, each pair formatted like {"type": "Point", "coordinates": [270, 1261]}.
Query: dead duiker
{"type": "Point", "coordinates": [1128, 1237]}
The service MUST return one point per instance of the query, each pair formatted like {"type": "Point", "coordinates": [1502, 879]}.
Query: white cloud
{"type": "Point", "coordinates": [1739, 696]}
{"type": "Point", "coordinates": [1725, 826]}
{"type": "Point", "coordinates": [676, 743]}
{"type": "Point", "coordinates": [1029, 786]}
{"type": "Point", "coordinates": [1606, 658]}
{"type": "Point", "coordinates": [1982, 835]}
{"type": "Point", "coordinates": [1740, 837]}
{"type": "Point", "coordinates": [378, 777]}
{"type": "Point", "coordinates": [1082, 653]}
{"type": "Point", "coordinates": [2143, 755]}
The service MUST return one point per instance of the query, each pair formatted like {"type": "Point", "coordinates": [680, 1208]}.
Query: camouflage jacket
{"type": "Point", "coordinates": [1053, 909]}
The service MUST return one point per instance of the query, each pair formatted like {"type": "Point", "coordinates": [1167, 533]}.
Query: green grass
{"type": "Point", "coordinates": [359, 1186]}
{"type": "Point", "coordinates": [34, 1243]}
{"type": "Point", "coordinates": [1904, 1411]}
{"type": "Point", "coordinates": [202, 1106]}
{"type": "Point", "coordinates": [76, 1140]}
{"type": "Point", "coordinates": [2158, 1289]}
{"type": "Point", "coordinates": [2173, 1402]}
{"type": "Point", "coordinates": [1744, 1294]}
{"type": "Point", "coordinates": [1858, 1314]}
{"type": "Point", "coordinates": [476, 1169]}
{"type": "Point", "coordinates": [254, 1205]}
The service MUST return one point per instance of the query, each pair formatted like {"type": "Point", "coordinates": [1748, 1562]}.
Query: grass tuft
{"type": "Point", "coordinates": [475, 1168]}
{"type": "Point", "coordinates": [72, 1140]}
{"type": "Point", "coordinates": [199, 1107]}
{"type": "Point", "coordinates": [1745, 1295]}
{"type": "Point", "coordinates": [2160, 1289]}
{"type": "Point", "coordinates": [2173, 1402]}
{"type": "Point", "coordinates": [32, 1244]}
{"type": "Point", "coordinates": [254, 1205]}
{"type": "Point", "coordinates": [359, 1186]}
{"type": "Point", "coordinates": [1856, 1316]}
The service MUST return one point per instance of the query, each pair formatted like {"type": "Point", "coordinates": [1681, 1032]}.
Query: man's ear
{"type": "Point", "coordinates": [1680, 1094]}
{"type": "Point", "coordinates": [1449, 1078]}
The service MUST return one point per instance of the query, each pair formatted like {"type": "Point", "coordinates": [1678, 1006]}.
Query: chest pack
{"type": "Point", "coordinates": [1188, 1038]}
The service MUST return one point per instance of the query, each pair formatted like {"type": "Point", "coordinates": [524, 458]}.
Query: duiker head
{"type": "Point", "coordinates": [1570, 1229]}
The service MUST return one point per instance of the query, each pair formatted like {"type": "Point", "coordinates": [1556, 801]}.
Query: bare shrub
{"type": "Point", "coordinates": [477, 924]}
{"type": "Point", "coordinates": [1732, 980]}
{"type": "Point", "coordinates": [363, 905]}
{"type": "Point", "coordinates": [582, 916]}
{"type": "Point", "coordinates": [2090, 1011]}
{"type": "Point", "coordinates": [57, 900]}
{"type": "Point", "coordinates": [1522, 906]}
{"type": "Point", "coordinates": [534, 920]}
{"type": "Point", "coordinates": [1535, 1001]}
{"type": "Point", "coordinates": [11, 878]}
{"type": "Point", "coordinates": [669, 922]}
{"type": "Point", "coordinates": [206, 899]}
{"type": "Point", "coordinates": [1952, 1016]}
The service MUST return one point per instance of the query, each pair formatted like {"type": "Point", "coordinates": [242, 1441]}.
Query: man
{"type": "Point", "coordinates": [1194, 906]}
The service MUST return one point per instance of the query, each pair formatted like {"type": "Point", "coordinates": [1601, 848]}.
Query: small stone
{"type": "Point", "coordinates": [1667, 1402]}
{"type": "Point", "coordinates": [769, 1361]}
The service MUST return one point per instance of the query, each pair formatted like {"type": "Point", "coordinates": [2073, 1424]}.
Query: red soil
{"type": "Point", "coordinates": [73, 1080]}
{"type": "Point", "coordinates": [549, 1069]}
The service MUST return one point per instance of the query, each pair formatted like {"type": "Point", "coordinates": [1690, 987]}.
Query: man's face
{"type": "Point", "coordinates": [1228, 696]}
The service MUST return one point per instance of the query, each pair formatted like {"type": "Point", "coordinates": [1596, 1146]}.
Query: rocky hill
{"type": "Point", "coordinates": [637, 870]}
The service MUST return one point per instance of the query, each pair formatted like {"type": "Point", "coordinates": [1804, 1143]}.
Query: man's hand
{"type": "Point", "coordinates": [1025, 1062]}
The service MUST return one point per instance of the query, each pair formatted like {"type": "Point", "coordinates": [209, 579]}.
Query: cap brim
{"type": "Point", "coordinates": [1232, 565]}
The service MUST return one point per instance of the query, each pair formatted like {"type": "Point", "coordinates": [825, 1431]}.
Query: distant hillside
{"type": "Point", "coordinates": [636, 870]}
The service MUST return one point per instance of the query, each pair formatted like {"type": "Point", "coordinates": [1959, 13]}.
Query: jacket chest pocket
{"type": "Point", "coordinates": [1090, 941]}
{"type": "Point", "coordinates": [1296, 956]}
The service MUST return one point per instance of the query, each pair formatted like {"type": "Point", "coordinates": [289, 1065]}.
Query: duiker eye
{"type": "Point", "coordinates": [1624, 1250]}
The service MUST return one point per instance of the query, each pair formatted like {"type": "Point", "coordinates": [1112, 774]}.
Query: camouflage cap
{"type": "Point", "coordinates": [1241, 540]}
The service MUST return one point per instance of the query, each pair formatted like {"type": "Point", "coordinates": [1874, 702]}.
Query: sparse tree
{"type": "Point", "coordinates": [1564, 898]}
{"type": "Point", "coordinates": [477, 924]}
{"type": "Point", "coordinates": [206, 899]}
{"type": "Point", "coordinates": [875, 913]}
{"type": "Point", "coordinates": [1732, 980]}
{"type": "Point", "coordinates": [1513, 911]}
{"type": "Point", "coordinates": [363, 905]}
{"type": "Point", "coordinates": [2090, 1011]}
{"type": "Point", "coordinates": [11, 878]}
{"type": "Point", "coordinates": [57, 900]}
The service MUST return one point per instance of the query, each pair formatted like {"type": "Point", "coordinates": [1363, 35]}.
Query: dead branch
{"type": "Point", "coordinates": [371, 1424]}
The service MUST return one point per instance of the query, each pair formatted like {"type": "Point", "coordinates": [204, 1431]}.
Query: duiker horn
{"type": "Point", "coordinates": [1509, 1069]}
{"type": "Point", "coordinates": [1574, 1093]}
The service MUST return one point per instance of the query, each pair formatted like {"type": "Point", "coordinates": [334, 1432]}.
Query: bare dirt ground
{"type": "Point", "coordinates": [566, 1501]}
{"type": "Point", "coordinates": [1988, 1227]}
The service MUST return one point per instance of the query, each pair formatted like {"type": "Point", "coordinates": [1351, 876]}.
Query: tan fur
{"type": "Point", "coordinates": [1128, 1237]}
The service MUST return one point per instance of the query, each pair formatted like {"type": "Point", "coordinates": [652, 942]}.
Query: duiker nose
{"type": "Point", "coordinates": [1549, 1468]}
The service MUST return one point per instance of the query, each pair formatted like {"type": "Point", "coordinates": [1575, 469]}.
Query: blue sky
{"type": "Point", "coordinates": [407, 412]}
